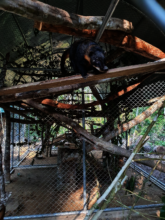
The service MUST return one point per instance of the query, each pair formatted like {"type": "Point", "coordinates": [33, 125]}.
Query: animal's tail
{"type": "Point", "coordinates": [64, 57]}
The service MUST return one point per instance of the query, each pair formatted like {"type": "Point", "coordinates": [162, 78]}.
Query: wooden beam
{"type": "Point", "coordinates": [73, 80]}
{"type": "Point", "coordinates": [42, 12]}
{"type": "Point", "coordinates": [34, 94]}
{"type": "Point", "coordinates": [117, 38]}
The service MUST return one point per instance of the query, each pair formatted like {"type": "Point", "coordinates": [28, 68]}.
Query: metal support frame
{"type": "Point", "coordinates": [20, 29]}
{"type": "Point", "coordinates": [108, 15]}
{"type": "Point", "coordinates": [30, 69]}
{"type": "Point", "coordinates": [154, 180]}
{"type": "Point", "coordinates": [28, 167]}
{"type": "Point", "coordinates": [84, 165]}
{"type": "Point", "coordinates": [12, 141]}
{"type": "Point", "coordinates": [84, 212]}
{"type": "Point", "coordinates": [18, 156]}
{"type": "Point", "coordinates": [28, 136]}
{"type": "Point", "coordinates": [20, 161]}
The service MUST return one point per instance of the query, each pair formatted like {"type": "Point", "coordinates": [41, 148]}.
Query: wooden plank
{"type": "Point", "coordinates": [117, 38]}
{"type": "Point", "coordinates": [34, 94]}
{"type": "Point", "coordinates": [42, 12]}
{"type": "Point", "coordinates": [118, 72]}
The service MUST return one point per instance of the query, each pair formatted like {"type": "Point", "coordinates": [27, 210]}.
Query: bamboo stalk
{"type": "Point", "coordinates": [121, 172]}
{"type": "Point", "coordinates": [111, 195]}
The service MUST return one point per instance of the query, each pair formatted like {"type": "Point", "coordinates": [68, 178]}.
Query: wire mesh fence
{"type": "Point", "coordinates": [48, 162]}
{"type": "Point", "coordinates": [54, 169]}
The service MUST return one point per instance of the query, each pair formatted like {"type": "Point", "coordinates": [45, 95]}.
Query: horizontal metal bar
{"type": "Point", "coordinates": [84, 212]}
{"type": "Point", "coordinates": [24, 156]}
{"type": "Point", "coordinates": [30, 69]}
{"type": "Point", "coordinates": [151, 178]}
{"type": "Point", "coordinates": [36, 166]}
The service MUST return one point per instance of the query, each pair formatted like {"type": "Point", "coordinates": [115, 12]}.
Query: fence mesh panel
{"type": "Point", "coordinates": [50, 171]}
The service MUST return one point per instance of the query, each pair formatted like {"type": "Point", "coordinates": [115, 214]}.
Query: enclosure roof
{"type": "Point", "coordinates": [17, 35]}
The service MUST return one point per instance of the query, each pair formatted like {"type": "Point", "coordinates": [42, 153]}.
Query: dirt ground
{"type": "Point", "coordinates": [37, 191]}
{"type": "Point", "coordinates": [34, 191]}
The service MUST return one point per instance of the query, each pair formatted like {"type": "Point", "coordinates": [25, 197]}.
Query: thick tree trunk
{"type": "Point", "coordinates": [7, 148]}
{"type": "Point", "coordinates": [116, 38]}
{"type": "Point", "coordinates": [42, 12]}
{"type": "Point", "coordinates": [96, 142]}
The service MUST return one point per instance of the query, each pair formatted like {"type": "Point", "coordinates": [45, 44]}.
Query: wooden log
{"type": "Point", "coordinates": [74, 80]}
{"type": "Point", "coordinates": [117, 38]}
{"type": "Point", "coordinates": [57, 139]}
{"type": "Point", "coordinates": [97, 143]}
{"type": "Point", "coordinates": [42, 12]}
{"type": "Point", "coordinates": [34, 94]}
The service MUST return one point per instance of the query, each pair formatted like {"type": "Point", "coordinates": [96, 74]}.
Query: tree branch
{"type": "Point", "coordinates": [97, 143]}
{"type": "Point", "coordinates": [117, 38]}
{"type": "Point", "coordinates": [136, 120]}
{"type": "Point", "coordinates": [42, 12]}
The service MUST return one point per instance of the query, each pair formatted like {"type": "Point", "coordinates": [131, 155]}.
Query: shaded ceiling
{"type": "Point", "coordinates": [31, 49]}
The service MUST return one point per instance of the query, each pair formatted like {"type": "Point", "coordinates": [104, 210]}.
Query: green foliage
{"type": "Point", "coordinates": [130, 184]}
{"type": "Point", "coordinates": [157, 133]}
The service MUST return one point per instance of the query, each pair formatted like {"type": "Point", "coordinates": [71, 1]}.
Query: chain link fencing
{"type": "Point", "coordinates": [50, 170]}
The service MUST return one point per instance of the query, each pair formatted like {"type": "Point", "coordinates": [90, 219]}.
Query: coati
{"type": "Point", "coordinates": [84, 56]}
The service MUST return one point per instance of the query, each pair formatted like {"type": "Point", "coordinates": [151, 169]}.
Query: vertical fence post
{"type": "Point", "coordinates": [19, 140]}
{"type": "Point", "coordinates": [2, 184]}
{"type": "Point", "coordinates": [7, 149]}
{"type": "Point", "coordinates": [84, 165]}
{"type": "Point", "coordinates": [12, 140]}
{"type": "Point", "coordinates": [28, 136]}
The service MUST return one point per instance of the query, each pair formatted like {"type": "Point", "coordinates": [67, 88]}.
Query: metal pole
{"type": "Point", "coordinates": [84, 165]}
{"type": "Point", "coordinates": [83, 212]}
{"type": "Point", "coordinates": [18, 156]}
{"type": "Point", "coordinates": [28, 136]}
{"type": "Point", "coordinates": [109, 13]}
{"type": "Point", "coordinates": [30, 69]}
{"type": "Point", "coordinates": [12, 140]}
{"type": "Point", "coordinates": [7, 148]}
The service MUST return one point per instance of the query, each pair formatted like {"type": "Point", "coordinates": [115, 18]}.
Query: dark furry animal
{"type": "Point", "coordinates": [84, 56]}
